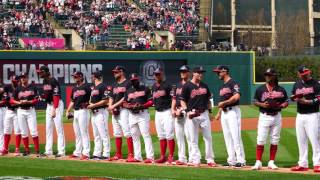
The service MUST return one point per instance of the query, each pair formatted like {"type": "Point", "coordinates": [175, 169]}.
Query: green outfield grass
{"type": "Point", "coordinates": [247, 111]}
{"type": "Point", "coordinates": [287, 156]}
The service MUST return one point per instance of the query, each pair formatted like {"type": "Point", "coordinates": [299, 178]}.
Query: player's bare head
{"type": "Point", "coordinates": [43, 72]}
{"type": "Point", "coordinates": [134, 79]}
{"type": "Point", "coordinates": [78, 77]}
{"type": "Point", "coordinates": [23, 78]}
{"type": "Point", "coordinates": [222, 71]}
{"type": "Point", "coordinates": [118, 72]}
{"type": "Point", "coordinates": [304, 73]}
{"type": "Point", "coordinates": [184, 72]}
{"type": "Point", "coordinates": [158, 74]}
{"type": "Point", "coordinates": [197, 73]}
{"type": "Point", "coordinates": [270, 75]}
{"type": "Point", "coordinates": [96, 76]}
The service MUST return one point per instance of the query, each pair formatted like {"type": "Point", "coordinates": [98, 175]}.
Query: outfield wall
{"type": "Point", "coordinates": [63, 63]}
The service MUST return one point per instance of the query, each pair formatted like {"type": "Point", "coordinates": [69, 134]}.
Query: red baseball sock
{"type": "Point", "coordinates": [119, 146]}
{"type": "Point", "coordinates": [130, 145]}
{"type": "Point", "coordinates": [18, 140]}
{"type": "Point", "coordinates": [163, 147]}
{"type": "Point", "coordinates": [26, 144]}
{"type": "Point", "coordinates": [36, 143]}
{"type": "Point", "coordinates": [171, 144]}
{"type": "Point", "coordinates": [273, 151]}
{"type": "Point", "coordinates": [6, 142]}
{"type": "Point", "coordinates": [260, 149]}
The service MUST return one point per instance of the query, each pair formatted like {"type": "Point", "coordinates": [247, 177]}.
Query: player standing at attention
{"type": "Point", "coordinates": [230, 114]}
{"type": "Point", "coordinates": [54, 112]}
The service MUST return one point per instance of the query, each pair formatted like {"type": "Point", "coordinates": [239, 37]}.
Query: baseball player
{"type": "Point", "coordinates": [163, 118]}
{"type": "Point", "coordinates": [138, 99]}
{"type": "Point", "coordinates": [180, 118]}
{"type": "Point", "coordinates": [306, 91]}
{"type": "Point", "coordinates": [270, 98]}
{"type": "Point", "coordinates": [230, 114]}
{"type": "Point", "coordinates": [11, 119]}
{"type": "Point", "coordinates": [2, 114]}
{"type": "Point", "coordinates": [195, 101]}
{"type": "Point", "coordinates": [80, 97]}
{"type": "Point", "coordinates": [26, 97]}
{"type": "Point", "coordinates": [120, 115]}
{"type": "Point", "coordinates": [99, 119]}
{"type": "Point", "coordinates": [54, 112]}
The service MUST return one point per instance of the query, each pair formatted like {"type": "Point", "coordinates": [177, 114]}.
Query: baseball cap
{"type": "Point", "coordinates": [43, 69]}
{"type": "Point", "coordinates": [97, 74]}
{"type": "Point", "coordinates": [23, 74]}
{"type": "Point", "coordinates": [134, 76]}
{"type": "Point", "coordinates": [158, 70]}
{"type": "Point", "coordinates": [77, 74]}
{"type": "Point", "coordinates": [303, 70]}
{"type": "Point", "coordinates": [198, 69]}
{"type": "Point", "coordinates": [118, 68]}
{"type": "Point", "coordinates": [270, 72]}
{"type": "Point", "coordinates": [184, 68]}
{"type": "Point", "coordinates": [221, 68]}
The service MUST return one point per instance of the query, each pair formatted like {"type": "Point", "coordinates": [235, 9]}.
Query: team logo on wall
{"type": "Point", "coordinates": [147, 71]}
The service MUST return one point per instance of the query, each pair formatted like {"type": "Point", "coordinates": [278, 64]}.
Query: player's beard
{"type": "Point", "coordinates": [135, 84]}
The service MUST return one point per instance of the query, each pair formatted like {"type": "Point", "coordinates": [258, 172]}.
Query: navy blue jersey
{"type": "Point", "coordinates": [161, 96]}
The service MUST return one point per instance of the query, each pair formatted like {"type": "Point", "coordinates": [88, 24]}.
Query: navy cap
{"type": "Point", "coordinates": [23, 74]}
{"type": "Point", "coordinates": [198, 69]}
{"type": "Point", "coordinates": [134, 76]}
{"type": "Point", "coordinates": [303, 70]}
{"type": "Point", "coordinates": [118, 68]}
{"type": "Point", "coordinates": [270, 72]}
{"type": "Point", "coordinates": [184, 68]}
{"type": "Point", "coordinates": [15, 78]}
{"type": "Point", "coordinates": [77, 74]}
{"type": "Point", "coordinates": [97, 74]}
{"type": "Point", "coordinates": [158, 70]}
{"type": "Point", "coordinates": [44, 69]}
{"type": "Point", "coordinates": [221, 68]}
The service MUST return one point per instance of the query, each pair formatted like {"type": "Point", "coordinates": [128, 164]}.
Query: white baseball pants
{"type": "Point", "coordinates": [58, 123]}
{"type": "Point", "coordinates": [81, 131]}
{"type": "Point", "coordinates": [27, 119]}
{"type": "Point", "coordinates": [307, 127]}
{"type": "Point", "coordinates": [2, 114]}
{"type": "Point", "coordinates": [11, 122]}
{"type": "Point", "coordinates": [269, 124]}
{"type": "Point", "coordinates": [120, 124]}
{"type": "Point", "coordinates": [99, 121]}
{"type": "Point", "coordinates": [231, 126]}
{"type": "Point", "coordinates": [164, 124]}
{"type": "Point", "coordinates": [204, 124]}
{"type": "Point", "coordinates": [181, 130]}
{"type": "Point", "coordinates": [140, 125]}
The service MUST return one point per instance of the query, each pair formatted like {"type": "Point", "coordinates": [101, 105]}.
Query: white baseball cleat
{"type": "Point", "coordinates": [271, 165]}
{"type": "Point", "coordinates": [257, 166]}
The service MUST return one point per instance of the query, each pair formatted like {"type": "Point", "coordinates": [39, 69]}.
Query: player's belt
{"type": "Point", "coordinates": [95, 110]}
{"type": "Point", "coordinates": [26, 107]}
{"type": "Point", "coordinates": [136, 111]}
{"type": "Point", "coordinates": [270, 113]}
{"type": "Point", "coordinates": [162, 109]}
{"type": "Point", "coordinates": [226, 109]}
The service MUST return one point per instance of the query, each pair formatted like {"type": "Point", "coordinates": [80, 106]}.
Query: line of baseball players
{"type": "Point", "coordinates": [181, 110]}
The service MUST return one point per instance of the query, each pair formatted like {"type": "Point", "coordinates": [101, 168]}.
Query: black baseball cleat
{"type": "Point", "coordinates": [26, 153]}
{"type": "Point", "coordinates": [105, 158]}
{"type": "Point", "coordinates": [239, 165]}
{"type": "Point", "coordinates": [59, 156]}
{"type": "Point", "coordinates": [96, 158]}
{"type": "Point", "coordinates": [227, 165]}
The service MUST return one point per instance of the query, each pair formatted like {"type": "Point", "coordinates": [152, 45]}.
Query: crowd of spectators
{"type": "Point", "coordinates": [22, 18]}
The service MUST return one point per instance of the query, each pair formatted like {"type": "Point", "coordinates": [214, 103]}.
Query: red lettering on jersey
{"type": "Point", "coordinates": [305, 90]}
{"type": "Point", "coordinates": [136, 94]}
{"type": "Point", "coordinates": [78, 93]}
{"type": "Point", "coordinates": [198, 92]}
{"type": "Point", "coordinates": [159, 93]}
{"type": "Point", "coordinates": [225, 91]}
{"type": "Point", "coordinates": [94, 92]}
{"type": "Point", "coordinates": [25, 94]}
{"type": "Point", "coordinates": [47, 87]}
{"type": "Point", "coordinates": [118, 90]}
{"type": "Point", "coordinates": [271, 95]}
